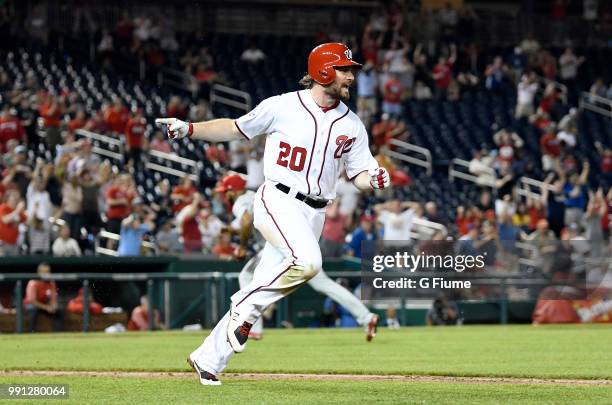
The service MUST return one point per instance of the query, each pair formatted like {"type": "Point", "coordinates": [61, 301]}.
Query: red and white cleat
{"type": "Point", "coordinates": [372, 328]}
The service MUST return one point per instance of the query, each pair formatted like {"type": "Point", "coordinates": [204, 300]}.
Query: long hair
{"type": "Point", "coordinates": [307, 81]}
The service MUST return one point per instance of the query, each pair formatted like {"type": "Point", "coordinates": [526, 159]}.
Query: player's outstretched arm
{"type": "Point", "coordinates": [219, 130]}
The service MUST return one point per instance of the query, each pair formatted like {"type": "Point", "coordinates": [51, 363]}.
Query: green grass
{"type": "Point", "coordinates": [570, 351]}
{"type": "Point", "coordinates": [188, 391]}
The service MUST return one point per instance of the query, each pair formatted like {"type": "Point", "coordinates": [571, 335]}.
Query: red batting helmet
{"type": "Point", "coordinates": [231, 182]}
{"type": "Point", "coordinates": [325, 57]}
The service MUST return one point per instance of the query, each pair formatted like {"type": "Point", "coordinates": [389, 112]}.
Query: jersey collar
{"type": "Point", "coordinates": [313, 107]}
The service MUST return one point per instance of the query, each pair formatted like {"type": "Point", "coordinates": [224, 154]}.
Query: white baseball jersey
{"type": "Point", "coordinates": [307, 148]}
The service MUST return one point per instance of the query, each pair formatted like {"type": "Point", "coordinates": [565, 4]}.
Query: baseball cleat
{"type": "Point", "coordinates": [372, 327]}
{"type": "Point", "coordinates": [205, 377]}
{"type": "Point", "coordinates": [237, 332]}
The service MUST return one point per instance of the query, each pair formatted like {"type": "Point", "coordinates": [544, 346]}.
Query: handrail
{"type": "Point", "coordinates": [454, 173]}
{"type": "Point", "coordinates": [216, 97]}
{"type": "Point", "coordinates": [105, 139]}
{"type": "Point", "coordinates": [173, 157]}
{"type": "Point", "coordinates": [113, 236]}
{"type": "Point", "coordinates": [426, 162]}
{"type": "Point", "coordinates": [170, 171]}
{"type": "Point", "coordinates": [595, 103]}
{"type": "Point", "coordinates": [525, 190]}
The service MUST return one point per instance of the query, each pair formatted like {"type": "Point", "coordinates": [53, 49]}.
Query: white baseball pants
{"type": "Point", "coordinates": [290, 258]}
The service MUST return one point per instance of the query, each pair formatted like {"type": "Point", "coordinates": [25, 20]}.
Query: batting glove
{"type": "Point", "coordinates": [175, 128]}
{"type": "Point", "coordinates": [379, 178]}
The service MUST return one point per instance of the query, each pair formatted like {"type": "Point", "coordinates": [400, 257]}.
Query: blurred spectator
{"type": "Point", "coordinates": [548, 65]}
{"type": "Point", "coordinates": [553, 201]}
{"type": "Point", "coordinates": [421, 91]}
{"type": "Point", "coordinates": [442, 73]}
{"type": "Point", "coordinates": [599, 88]}
{"type": "Point", "coordinates": [188, 221]}
{"type": "Point", "coordinates": [567, 139]}
{"type": "Point", "coordinates": [90, 189]}
{"type": "Point", "coordinates": [253, 54]}
{"type": "Point", "coordinates": [105, 51]}
{"type": "Point", "coordinates": [255, 166]}
{"type": "Point", "coordinates": [77, 122]}
{"type": "Point", "coordinates": [10, 128]}
{"type": "Point", "coordinates": [521, 218]}
{"type": "Point", "coordinates": [41, 299]}
{"type": "Point", "coordinates": [388, 128]}
{"type": "Point", "coordinates": [135, 138]}
{"type": "Point", "coordinates": [518, 62]}
{"type": "Point", "coordinates": [39, 236]}
{"type": "Point", "coordinates": [64, 245]}
{"type": "Point", "coordinates": [508, 143]}
{"type": "Point", "coordinates": [160, 144]}
{"type": "Point", "coordinates": [481, 166]}
{"type": "Point", "coordinates": [568, 70]}
{"type": "Point", "coordinates": [550, 149]}
{"type": "Point", "coordinates": [72, 205]}
{"type": "Point", "coordinates": [51, 112]}
{"type": "Point", "coordinates": [466, 245]}
{"type": "Point", "coordinates": [118, 198]}
{"type": "Point", "coordinates": [448, 19]}
{"type": "Point", "coordinates": [133, 228]}
{"type": "Point", "coordinates": [39, 203]}
{"type": "Point", "coordinates": [139, 320]}
{"type": "Point", "coordinates": [349, 196]}
{"type": "Point", "coordinates": [75, 305]}
{"type": "Point", "coordinates": [168, 238]}
{"type": "Point", "coordinates": [177, 109]}
{"type": "Point", "coordinates": [576, 194]}
{"type": "Point", "coordinates": [116, 116]}
{"type": "Point", "coordinates": [341, 316]}
{"type": "Point", "coordinates": [363, 233]}
{"type": "Point", "coordinates": [20, 171]}
{"type": "Point", "coordinates": [549, 99]}
{"type": "Point", "coordinates": [505, 183]}
{"type": "Point", "coordinates": [544, 242]}
{"type": "Point", "coordinates": [393, 93]}
{"type": "Point", "coordinates": [495, 74]}
{"type": "Point", "coordinates": [367, 92]}
{"type": "Point", "coordinates": [182, 194]}
{"type": "Point", "coordinates": [443, 312]}
{"type": "Point", "coordinates": [396, 218]}
{"type": "Point", "coordinates": [431, 213]}
{"type": "Point", "coordinates": [526, 90]}
{"type": "Point", "coordinates": [12, 213]}
{"type": "Point", "coordinates": [595, 212]}
{"type": "Point", "coordinates": [224, 249]}
{"type": "Point", "coordinates": [569, 120]}
{"type": "Point", "coordinates": [332, 237]}
{"type": "Point", "coordinates": [508, 232]}
{"type": "Point", "coordinates": [200, 112]}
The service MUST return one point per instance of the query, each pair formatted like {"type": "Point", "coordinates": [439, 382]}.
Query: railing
{"type": "Point", "coordinates": [169, 170]}
{"type": "Point", "coordinates": [221, 94]}
{"type": "Point", "coordinates": [595, 103]}
{"type": "Point", "coordinates": [454, 173]}
{"type": "Point", "coordinates": [107, 152]}
{"type": "Point", "coordinates": [177, 79]}
{"type": "Point", "coordinates": [525, 185]}
{"type": "Point", "coordinates": [425, 161]}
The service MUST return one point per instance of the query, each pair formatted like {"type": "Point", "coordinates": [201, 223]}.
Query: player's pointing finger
{"type": "Point", "coordinates": [164, 121]}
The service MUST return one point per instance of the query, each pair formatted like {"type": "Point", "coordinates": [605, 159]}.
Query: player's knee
{"type": "Point", "coordinates": [311, 265]}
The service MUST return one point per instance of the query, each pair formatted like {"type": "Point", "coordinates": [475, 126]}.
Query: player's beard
{"type": "Point", "coordinates": [338, 92]}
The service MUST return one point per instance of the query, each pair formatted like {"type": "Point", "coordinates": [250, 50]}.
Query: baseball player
{"type": "Point", "coordinates": [232, 186]}
{"type": "Point", "coordinates": [312, 137]}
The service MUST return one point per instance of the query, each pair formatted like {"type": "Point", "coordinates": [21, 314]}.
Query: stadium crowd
{"type": "Point", "coordinates": [59, 206]}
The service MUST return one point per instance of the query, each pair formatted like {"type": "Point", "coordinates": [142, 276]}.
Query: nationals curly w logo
{"type": "Point", "coordinates": [348, 54]}
{"type": "Point", "coordinates": [344, 145]}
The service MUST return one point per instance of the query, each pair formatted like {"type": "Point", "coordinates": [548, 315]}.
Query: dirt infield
{"type": "Point", "coordinates": [312, 377]}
